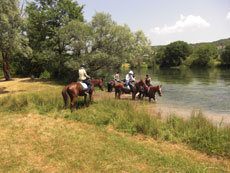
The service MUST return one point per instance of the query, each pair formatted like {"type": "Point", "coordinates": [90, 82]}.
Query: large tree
{"type": "Point", "coordinates": [175, 53]}
{"type": "Point", "coordinates": [11, 36]}
{"type": "Point", "coordinates": [45, 19]}
{"type": "Point", "coordinates": [204, 54]}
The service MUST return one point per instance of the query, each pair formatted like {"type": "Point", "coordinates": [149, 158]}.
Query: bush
{"type": "Point", "coordinates": [45, 75]}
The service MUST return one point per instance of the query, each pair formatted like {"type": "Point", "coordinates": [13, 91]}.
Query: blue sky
{"type": "Point", "coordinates": [165, 21]}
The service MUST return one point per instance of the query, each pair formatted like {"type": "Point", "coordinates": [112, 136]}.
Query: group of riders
{"type": "Point", "coordinates": [128, 81]}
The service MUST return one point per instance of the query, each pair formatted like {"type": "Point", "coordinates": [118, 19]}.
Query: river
{"type": "Point", "coordinates": [189, 90]}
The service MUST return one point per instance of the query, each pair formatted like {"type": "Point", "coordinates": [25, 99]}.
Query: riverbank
{"type": "Point", "coordinates": [26, 98]}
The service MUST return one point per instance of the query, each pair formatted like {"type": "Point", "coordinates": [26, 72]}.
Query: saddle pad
{"type": "Point", "coordinates": [84, 86]}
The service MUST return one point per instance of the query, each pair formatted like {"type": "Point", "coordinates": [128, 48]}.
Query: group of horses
{"type": "Point", "coordinates": [139, 87]}
{"type": "Point", "coordinates": [75, 89]}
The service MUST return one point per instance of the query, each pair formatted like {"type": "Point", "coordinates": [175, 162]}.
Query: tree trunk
{"type": "Point", "coordinates": [6, 66]}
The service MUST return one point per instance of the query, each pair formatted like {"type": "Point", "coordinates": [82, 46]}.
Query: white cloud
{"type": "Point", "coordinates": [228, 15]}
{"type": "Point", "coordinates": [183, 23]}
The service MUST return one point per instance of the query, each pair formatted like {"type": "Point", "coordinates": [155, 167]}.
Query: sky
{"type": "Point", "coordinates": [166, 21]}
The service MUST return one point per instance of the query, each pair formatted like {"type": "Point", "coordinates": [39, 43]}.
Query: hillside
{"type": "Point", "coordinates": [220, 44]}
{"type": "Point", "coordinates": [38, 135]}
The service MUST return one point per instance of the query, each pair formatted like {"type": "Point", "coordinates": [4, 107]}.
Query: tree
{"type": "Point", "coordinates": [45, 19]}
{"type": "Point", "coordinates": [174, 53]}
{"type": "Point", "coordinates": [225, 56]}
{"type": "Point", "coordinates": [11, 37]}
{"type": "Point", "coordinates": [205, 53]}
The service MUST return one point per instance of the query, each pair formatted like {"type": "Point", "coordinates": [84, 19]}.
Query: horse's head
{"type": "Point", "coordinates": [98, 82]}
{"type": "Point", "coordinates": [159, 89]}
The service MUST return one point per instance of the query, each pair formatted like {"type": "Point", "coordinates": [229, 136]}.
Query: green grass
{"type": "Point", "coordinates": [197, 132]}
{"type": "Point", "coordinates": [42, 144]}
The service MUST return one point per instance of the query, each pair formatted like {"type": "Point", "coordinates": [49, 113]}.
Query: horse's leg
{"type": "Point", "coordinates": [149, 99]}
{"type": "Point", "coordinates": [143, 94]}
{"type": "Point", "coordinates": [91, 98]}
{"type": "Point", "coordinates": [115, 93]}
{"type": "Point", "coordinates": [119, 94]}
{"type": "Point", "coordinates": [155, 97]}
{"type": "Point", "coordinates": [139, 95]}
{"type": "Point", "coordinates": [134, 95]}
{"type": "Point", "coordinates": [73, 95]}
{"type": "Point", "coordinates": [85, 96]}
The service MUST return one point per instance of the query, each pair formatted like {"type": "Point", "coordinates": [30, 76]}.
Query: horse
{"type": "Point", "coordinates": [142, 93]}
{"type": "Point", "coordinates": [151, 92]}
{"type": "Point", "coordinates": [98, 82]}
{"type": "Point", "coordinates": [74, 90]}
{"type": "Point", "coordinates": [119, 89]}
{"type": "Point", "coordinates": [110, 85]}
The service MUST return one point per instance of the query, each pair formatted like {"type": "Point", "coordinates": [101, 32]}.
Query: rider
{"type": "Point", "coordinates": [148, 80]}
{"type": "Point", "coordinates": [117, 77]}
{"type": "Point", "coordinates": [129, 79]}
{"type": "Point", "coordinates": [84, 77]}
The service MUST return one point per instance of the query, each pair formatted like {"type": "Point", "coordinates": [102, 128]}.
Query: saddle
{"type": "Point", "coordinates": [84, 86]}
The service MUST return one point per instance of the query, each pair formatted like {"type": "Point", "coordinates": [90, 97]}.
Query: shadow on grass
{"type": "Point", "coordinates": [2, 91]}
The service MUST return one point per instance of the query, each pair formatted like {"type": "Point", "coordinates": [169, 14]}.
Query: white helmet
{"type": "Point", "coordinates": [130, 72]}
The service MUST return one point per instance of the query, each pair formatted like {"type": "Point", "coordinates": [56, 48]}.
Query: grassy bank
{"type": "Point", "coordinates": [35, 117]}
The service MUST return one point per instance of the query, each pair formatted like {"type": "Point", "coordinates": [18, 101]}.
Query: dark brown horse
{"type": "Point", "coordinates": [74, 90]}
{"type": "Point", "coordinates": [119, 89]}
{"type": "Point", "coordinates": [98, 82]}
{"type": "Point", "coordinates": [151, 92]}
{"type": "Point", "coordinates": [110, 85]}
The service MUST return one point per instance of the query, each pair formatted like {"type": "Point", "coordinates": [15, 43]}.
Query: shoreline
{"type": "Point", "coordinates": [165, 111]}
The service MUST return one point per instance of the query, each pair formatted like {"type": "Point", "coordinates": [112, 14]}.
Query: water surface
{"type": "Point", "coordinates": [191, 89]}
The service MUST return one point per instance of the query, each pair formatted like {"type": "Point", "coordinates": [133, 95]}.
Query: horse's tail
{"type": "Point", "coordinates": [64, 95]}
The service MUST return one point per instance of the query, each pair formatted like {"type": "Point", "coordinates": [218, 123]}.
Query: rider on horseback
{"type": "Point", "coordinates": [84, 77]}
{"type": "Point", "coordinates": [148, 80]}
{"type": "Point", "coordinates": [117, 77]}
{"type": "Point", "coordinates": [129, 80]}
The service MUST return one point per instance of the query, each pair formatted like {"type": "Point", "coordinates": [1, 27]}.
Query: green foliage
{"type": "Point", "coordinates": [12, 38]}
{"type": "Point", "coordinates": [61, 42]}
{"type": "Point", "coordinates": [204, 54]}
{"type": "Point", "coordinates": [174, 54]}
{"type": "Point", "coordinates": [45, 19]}
{"type": "Point", "coordinates": [225, 56]}
{"type": "Point", "coordinates": [45, 75]}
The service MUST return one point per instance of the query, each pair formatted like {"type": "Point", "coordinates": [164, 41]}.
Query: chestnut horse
{"type": "Point", "coordinates": [119, 89]}
{"type": "Point", "coordinates": [98, 82]}
{"type": "Point", "coordinates": [151, 92]}
{"type": "Point", "coordinates": [74, 90]}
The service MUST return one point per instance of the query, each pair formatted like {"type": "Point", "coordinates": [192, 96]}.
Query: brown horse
{"type": "Point", "coordinates": [74, 90]}
{"type": "Point", "coordinates": [119, 89]}
{"type": "Point", "coordinates": [151, 92]}
{"type": "Point", "coordinates": [98, 82]}
{"type": "Point", "coordinates": [110, 85]}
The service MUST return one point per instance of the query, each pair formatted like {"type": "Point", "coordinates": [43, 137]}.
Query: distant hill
{"type": "Point", "coordinates": [220, 44]}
